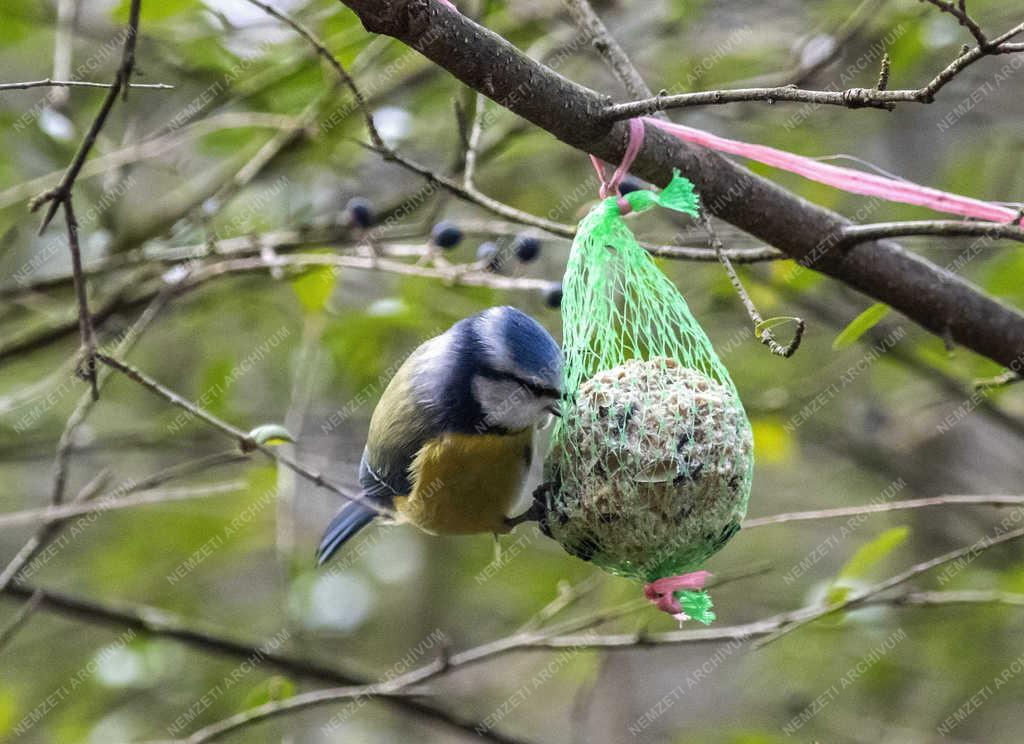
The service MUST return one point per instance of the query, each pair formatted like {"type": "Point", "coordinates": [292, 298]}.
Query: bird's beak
{"type": "Point", "coordinates": [555, 410]}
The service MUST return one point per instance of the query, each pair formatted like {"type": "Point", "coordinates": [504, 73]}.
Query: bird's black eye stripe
{"type": "Point", "coordinates": [541, 391]}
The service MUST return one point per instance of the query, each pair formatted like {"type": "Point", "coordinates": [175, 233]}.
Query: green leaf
{"type": "Point", "coordinates": [271, 434]}
{"type": "Point", "coordinates": [314, 288]}
{"type": "Point", "coordinates": [871, 553]}
{"type": "Point", "coordinates": [860, 325]}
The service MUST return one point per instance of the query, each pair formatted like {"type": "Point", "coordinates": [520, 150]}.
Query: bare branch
{"type": "Point", "coordinates": [21, 617]}
{"type": "Point", "coordinates": [850, 98]}
{"type": "Point", "coordinates": [764, 334]}
{"type": "Point", "coordinates": [324, 52]}
{"type": "Point", "coordinates": [959, 11]}
{"type": "Point", "coordinates": [84, 319]}
{"type": "Point", "coordinates": [48, 83]}
{"type": "Point", "coordinates": [163, 624]}
{"type": "Point", "coordinates": [46, 533]}
{"type": "Point", "coordinates": [246, 442]}
{"type": "Point", "coordinates": [98, 506]}
{"type": "Point", "coordinates": [62, 190]}
{"type": "Point", "coordinates": [858, 597]}
{"type": "Point", "coordinates": [853, 511]}
{"type": "Point", "coordinates": [591, 24]}
{"type": "Point", "coordinates": [853, 234]}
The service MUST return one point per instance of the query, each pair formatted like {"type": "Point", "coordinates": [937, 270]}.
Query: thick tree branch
{"type": "Point", "coordinates": [937, 299]}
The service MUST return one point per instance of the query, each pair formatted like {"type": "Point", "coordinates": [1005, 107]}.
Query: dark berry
{"type": "Point", "coordinates": [526, 247]}
{"type": "Point", "coordinates": [360, 211]}
{"type": "Point", "coordinates": [553, 296]}
{"type": "Point", "coordinates": [630, 184]}
{"type": "Point", "coordinates": [488, 254]}
{"type": "Point", "coordinates": [446, 234]}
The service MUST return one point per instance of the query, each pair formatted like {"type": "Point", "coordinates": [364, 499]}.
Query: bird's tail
{"type": "Point", "coordinates": [352, 518]}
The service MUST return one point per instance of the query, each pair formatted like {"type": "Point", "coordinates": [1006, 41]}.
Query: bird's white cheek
{"type": "Point", "coordinates": [505, 404]}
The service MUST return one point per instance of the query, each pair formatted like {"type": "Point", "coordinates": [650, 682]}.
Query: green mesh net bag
{"type": "Point", "coordinates": [651, 464]}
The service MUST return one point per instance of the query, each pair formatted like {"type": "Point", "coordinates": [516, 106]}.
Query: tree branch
{"type": "Point", "coordinates": [933, 297]}
{"type": "Point", "coordinates": [48, 83]}
{"type": "Point", "coordinates": [854, 234]}
{"type": "Point", "coordinates": [62, 190]}
{"type": "Point", "coordinates": [245, 441]}
{"type": "Point", "coordinates": [156, 622]}
{"type": "Point", "coordinates": [850, 98]}
{"type": "Point", "coordinates": [853, 511]}
{"type": "Point", "coordinates": [858, 597]}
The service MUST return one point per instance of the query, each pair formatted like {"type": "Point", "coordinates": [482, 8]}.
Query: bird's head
{"type": "Point", "coordinates": [518, 376]}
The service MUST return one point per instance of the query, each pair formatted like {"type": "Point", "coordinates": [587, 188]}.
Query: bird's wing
{"type": "Point", "coordinates": [399, 428]}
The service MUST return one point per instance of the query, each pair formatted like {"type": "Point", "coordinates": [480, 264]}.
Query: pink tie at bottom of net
{"type": "Point", "coordinates": [662, 591]}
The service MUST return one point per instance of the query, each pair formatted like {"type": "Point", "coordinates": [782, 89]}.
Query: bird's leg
{"type": "Point", "coordinates": [537, 511]}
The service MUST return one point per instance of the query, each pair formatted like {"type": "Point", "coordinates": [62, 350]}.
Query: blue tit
{"type": "Point", "coordinates": [452, 439]}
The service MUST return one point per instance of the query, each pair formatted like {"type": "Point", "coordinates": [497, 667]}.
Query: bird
{"type": "Point", "coordinates": [452, 438]}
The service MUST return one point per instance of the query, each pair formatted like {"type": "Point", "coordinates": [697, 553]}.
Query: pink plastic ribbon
{"type": "Point", "coordinates": [662, 591]}
{"type": "Point", "coordinates": [847, 179]}
{"type": "Point", "coordinates": [611, 185]}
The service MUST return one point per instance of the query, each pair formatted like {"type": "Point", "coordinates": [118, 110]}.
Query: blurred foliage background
{"type": "Point", "coordinates": [314, 351]}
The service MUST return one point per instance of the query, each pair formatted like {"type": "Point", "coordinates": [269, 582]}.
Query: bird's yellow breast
{"type": "Point", "coordinates": [466, 483]}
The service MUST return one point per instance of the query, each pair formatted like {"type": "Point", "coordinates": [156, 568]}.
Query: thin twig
{"type": "Point", "coordinates": [765, 336]}
{"type": "Point", "coordinates": [959, 11]}
{"type": "Point", "coordinates": [293, 704]}
{"type": "Point", "coordinates": [606, 45]}
{"type": "Point", "coordinates": [21, 617]}
{"type": "Point", "coordinates": [48, 83]}
{"type": "Point", "coordinates": [568, 594]}
{"type": "Point", "coordinates": [63, 39]}
{"type": "Point", "coordinates": [377, 144]}
{"type": "Point", "coordinates": [102, 505]}
{"type": "Point", "coordinates": [47, 532]}
{"type": "Point", "coordinates": [853, 511]}
{"type": "Point", "coordinates": [858, 597]}
{"type": "Point", "coordinates": [62, 190]}
{"type": "Point", "coordinates": [473, 143]}
{"type": "Point", "coordinates": [284, 243]}
{"type": "Point", "coordinates": [324, 52]}
{"type": "Point", "coordinates": [849, 98]}
{"type": "Point", "coordinates": [853, 234]}
{"type": "Point", "coordinates": [245, 441]}
{"type": "Point", "coordinates": [150, 149]}
{"type": "Point", "coordinates": [441, 666]}
{"type": "Point", "coordinates": [747, 631]}
{"type": "Point", "coordinates": [162, 624]}
{"type": "Point", "coordinates": [86, 330]}
{"type": "Point", "coordinates": [473, 196]}
{"type": "Point", "coordinates": [63, 454]}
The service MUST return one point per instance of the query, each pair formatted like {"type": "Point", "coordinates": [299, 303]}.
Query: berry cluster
{"type": "Point", "coordinates": [447, 235]}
